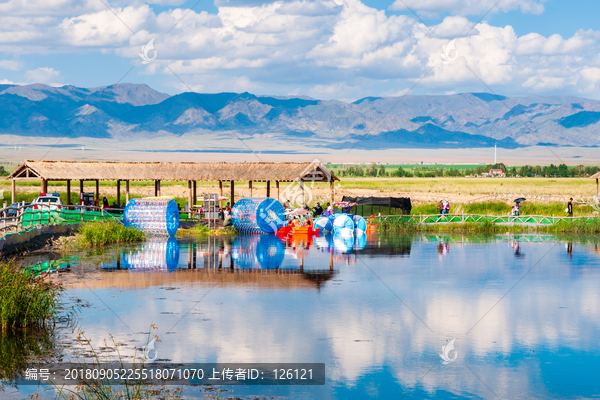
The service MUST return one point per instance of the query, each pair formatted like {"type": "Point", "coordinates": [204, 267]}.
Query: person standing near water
{"type": "Point", "coordinates": [318, 210]}
{"type": "Point", "coordinates": [440, 206]}
{"type": "Point", "coordinates": [570, 207]}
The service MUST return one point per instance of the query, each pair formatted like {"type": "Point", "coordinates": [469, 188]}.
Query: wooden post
{"type": "Point", "coordinates": [44, 186]}
{"type": "Point", "coordinates": [596, 186]}
{"type": "Point", "coordinates": [13, 196]}
{"type": "Point", "coordinates": [126, 192]}
{"type": "Point", "coordinates": [155, 188]}
{"type": "Point", "coordinates": [332, 187]}
{"type": "Point", "coordinates": [68, 192]}
{"type": "Point", "coordinates": [250, 187]}
{"type": "Point", "coordinates": [118, 193]}
{"type": "Point", "coordinates": [232, 194]}
{"type": "Point", "coordinates": [268, 188]}
{"type": "Point", "coordinates": [195, 193]}
{"type": "Point", "coordinates": [80, 191]}
{"type": "Point", "coordinates": [158, 187]}
{"type": "Point", "coordinates": [220, 188]}
{"type": "Point", "coordinates": [277, 184]}
{"type": "Point", "coordinates": [189, 199]}
{"type": "Point", "coordinates": [98, 191]}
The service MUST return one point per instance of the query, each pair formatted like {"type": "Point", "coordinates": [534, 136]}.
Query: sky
{"type": "Point", "coordinates": [326, 49]}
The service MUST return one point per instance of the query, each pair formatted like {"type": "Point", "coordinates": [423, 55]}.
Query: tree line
{"type": "Point", "coordinates": [554, 171]}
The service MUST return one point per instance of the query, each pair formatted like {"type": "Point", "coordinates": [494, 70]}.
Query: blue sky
{"type": "Point", "coordinates": [328, 49]}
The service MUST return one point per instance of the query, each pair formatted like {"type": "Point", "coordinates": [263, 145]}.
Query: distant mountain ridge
{"type": "Point", "coordinates": [130, 112]}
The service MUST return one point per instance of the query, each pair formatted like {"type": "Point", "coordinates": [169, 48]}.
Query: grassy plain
{"type": "Point", "coordinates": [474, 186]}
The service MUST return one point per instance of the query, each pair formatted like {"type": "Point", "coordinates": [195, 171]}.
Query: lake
{"type": "Point", "coordinates": [523, 311]}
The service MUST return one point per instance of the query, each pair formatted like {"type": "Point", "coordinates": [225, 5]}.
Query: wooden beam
{"type": "Point", "coordinates": [277, 184]}
{"type": "Point", "coordinates": [126, 192]}
{"type": "Point", "coordinates": [80, 191]}
{"type": "Point", "coordinates": [13, 196]}
{"type": "Point", "coordinates": [158, 187]}
{"type": "Point", "coordinates": [98, 190]}
{"type": "Point", "coordinates": [232, 193]}
{"type": "Point", "coordinates": [220, 188]}
{"type": "Point", "coordinates": [268, 188]}
{"type": "Point", "coordinates": [44, 186]}
{"type": "Point", "coordinates": [118, 193]}
{"type": "Point", "coordinates": [155, 188]}
{"type": "Point", "coordinates": [68, 192]}
{"type": "Point", "coordinates": [250, 187]}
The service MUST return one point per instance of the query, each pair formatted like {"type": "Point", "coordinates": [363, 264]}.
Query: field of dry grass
{"type": "Point", "coordinates": [455, 188]}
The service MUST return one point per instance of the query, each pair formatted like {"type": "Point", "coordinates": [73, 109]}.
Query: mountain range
{"type": "Point", "coordinates": [201, 122]}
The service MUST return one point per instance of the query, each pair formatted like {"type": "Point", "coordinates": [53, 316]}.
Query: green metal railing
{"type": "Point", "coordinates": [35, 217]}
{"type": "Point", "coordinates": [463, 218]}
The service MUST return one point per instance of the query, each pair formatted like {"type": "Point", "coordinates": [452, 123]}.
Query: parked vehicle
{"type": "Point", "coordinates": [13, 209]}
{"type": "Point", "coordinates": [47, 201]}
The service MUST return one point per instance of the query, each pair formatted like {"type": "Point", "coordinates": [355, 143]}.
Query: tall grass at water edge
{"type": "Point", "coordinates": [95, 234]}
{"type": "Point", "coordinates": [25, 301]}
{"type": "Point", "coordinates": [575, 226]}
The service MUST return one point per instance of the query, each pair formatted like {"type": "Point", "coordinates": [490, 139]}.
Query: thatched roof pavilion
{"type": "Point", "coordinates": [162, 171]}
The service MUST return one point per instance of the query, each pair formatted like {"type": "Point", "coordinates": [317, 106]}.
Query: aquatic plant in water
{"type": "Point", "coordinates": [26, 300]}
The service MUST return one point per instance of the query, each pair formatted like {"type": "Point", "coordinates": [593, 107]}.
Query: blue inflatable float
{"type": "Point", "coordinates": [258, 215]}
{"type": "Point", "coordinates": [152, 216]}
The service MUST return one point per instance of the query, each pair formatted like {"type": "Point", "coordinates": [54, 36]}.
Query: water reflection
{"type": "Point", "coordinates": [19, 347]}
{"type": "Point", "coordinates": [535, 339]}
{"type": "Point", "coordinates": [258, 251]}
{"type": "Point", "coordinates": [253, 252]}
{"type": "Point", "coordinates": [155, 254]}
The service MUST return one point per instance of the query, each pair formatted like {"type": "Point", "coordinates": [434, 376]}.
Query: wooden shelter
{"type": "Point", "coordinates": [81, 171]}
{"type": "Point", "coordinates": [597, 177]}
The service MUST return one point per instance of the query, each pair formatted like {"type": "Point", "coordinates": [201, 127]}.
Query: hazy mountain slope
{"type": "Point", "coordinates": [129, 112]}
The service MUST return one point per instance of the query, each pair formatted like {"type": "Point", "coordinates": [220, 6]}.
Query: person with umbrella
{"type": "Point", "coordinates": [518, 205]}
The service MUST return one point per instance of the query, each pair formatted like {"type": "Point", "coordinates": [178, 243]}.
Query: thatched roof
{"type": "Point", "coordinates": [185, 171]}
{"type": "Point", "coordinates": [596, 175]}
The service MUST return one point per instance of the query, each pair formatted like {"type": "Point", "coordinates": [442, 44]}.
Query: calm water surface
{"type": "Point", "coordinates": [524, 311]}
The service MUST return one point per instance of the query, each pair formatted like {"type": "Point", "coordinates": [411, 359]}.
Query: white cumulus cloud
{"type": "Point", "coordinates": [12, 65]}
{"type": "Point", "coordinates": [42, 75]}
{"type": "Point", "coordinates": [433, 8]}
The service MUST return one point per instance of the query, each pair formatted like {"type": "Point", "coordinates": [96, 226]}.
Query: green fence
{"type": "Point", "coordinates": [462, 218]}
{"type": "Point", "coordinates": [31, 217]}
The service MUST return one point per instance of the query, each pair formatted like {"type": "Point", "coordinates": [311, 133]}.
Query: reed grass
{"type": "Point", "coordinates": [575, 226]}
{"type": "Point", "coordinates": [105, 389]}
{"type": "Point", "coordinates": [95, 234]}
{"type": "Point", "coordinates": [25, 300]}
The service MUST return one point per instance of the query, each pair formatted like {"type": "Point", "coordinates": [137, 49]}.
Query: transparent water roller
{"type": "Point", "coordinates": [152, 216]}
{"type": "Point", "coordinates": [257, 215]}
